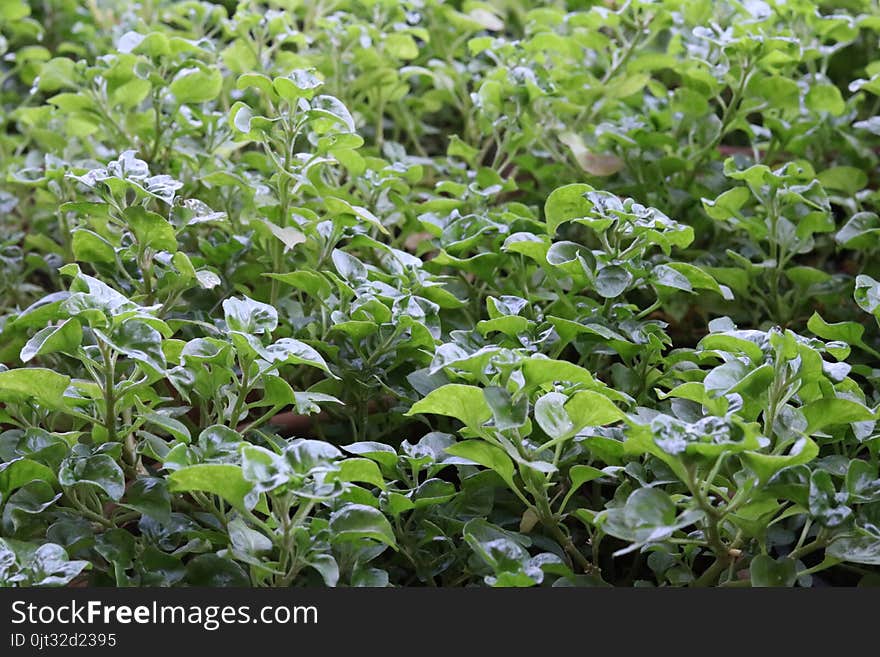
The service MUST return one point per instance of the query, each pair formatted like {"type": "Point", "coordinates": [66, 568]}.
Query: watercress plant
{"type": "Point", "coordinates": [429, 293]}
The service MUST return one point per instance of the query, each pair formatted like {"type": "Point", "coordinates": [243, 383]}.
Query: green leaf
{"type": "Point", "coordinates": [395, 504]}
{"type": "Point", "coordinates": [511, 325]}
{"type": "Point", "coordinates": [432, 492]}
{"type": "Point", "coordinates": [461, 149]}
{"type": "Point", "coordinates": [566, 203]}
{"type": "Point", "coordinates": [176, 428]}
{"type": "Point", "coordinates": [211, 570]}
{"type": "Point", "coordinates": [699, 279]}
{"type": "Point", "coordinates": [624, 86]}
{"type": "Point", "coordinates": [151, 230]}
{"type": "Point", "coordinates": [249, 316]}
{"type": "Point", "coordinates": [91, 247]}
{"type": "Point", "coordinates": [50, 566]}
{"type": "Point", "coordinates": [862, 481]}
{"type": "Point", "coordinates": [65, 338]}
{"type": "Point", "coordinates": [825, 98]}
{"type": "Point", "coordinates": [867, 295]}
{"type": "Point", "coordinates": [310, 282]}
{"type": "Point", "coordinates": [465, 403]}
{"type": "Point", "coordinates": [369, 578]}
{"type": "Point", "coordinates": [15, 474]}
{"type": "Point", "coordinates": [196, 84]}
{"type": "Point", "coordinates": [612, 281]}
{"type": "Point", "coordinates": [310, 456]}
{"type": "Point", "coordinates": [14, 10]}
{"type": "Point", "coordinates": [831, 410]}
{"type": "Point", "coordinates": [224, 480]}
{"type": "Point", "coordinates": [326, 566]}
{"type": "Point", "coordinates": [767, 571]}
{"type": "Point", "coordinates": [728, 204]}
{"type": "Point", "coordinates": [666, 276]}
{"type": "Point", "coordinates": [44, 386]}
{"type": "Point", "coordinates": [264, 469]}
{"type": "Point", "coordinates": [862, 231]}
{"type": "Point", "coordinates": [592, 409]}
{"type": "Point", "coordinates": [579, 475]}
{"type": "Point", "coordinates": [360, 470]}
{"type": "Point", "coordinates": [57, 73]}
{"type": "Point", "coordinates": [504, 552]}
{"type": "Point", "coordinates": [552, 417]}
{"type": "Point", "coordinates": [137, 340]}
{"type": "Point", "coordinates": [765, 466]}
{"type": "Point", "coordinates": [293, 352]}
{"type": "Point", "coordinates": [256, 81]}
{"type": "Point", "coordinates": [289, 236]}
{"type": "Point", "coordinates": [150, 496]}
{"type": "Point", "coordinates": [488, 456]}
{"type": "Point", "coordinates": [690, 103]}
{"type": "Point", "coordinates": [328, 114]}
{"type": "Point", "coordinates": [845, 179]}
{"type": "Point", "coordinates": [338, 206]}
{"type": "Point", "coordinates": [401, 46]}
{"type": "Point", "coordinates": [93, 299]}
{"type": "Point", "coordinates": [246, 540]}
{"type": "Point", "coordinates": [354, 522]}
{"type": "Point", "coordinates": [241, 118]}
{"type": "Point", "coordinates": [541, 371]}
{"type": "Point", "coordinates": [506, 413]}
{"type": "Point", "coordinates": [154, 44]}
{"type": "Point", "coordinates": [561, 417]}
{"type": "Point", "coordinates": [648, 516]}
{"type": "Point", "coordinates": [574, 259]}
{"type": "Point", "coordinates": [855, 548]}
{"type": "Point", "coordinates": [159, 568]}
{"type": "Point", "coordinates": [97, 469]}
{"type": "Point", "coordinates": [734, 345]}
{"type": "Point", "coordinates": [848, 332]}
{"type": "Point", "coordinates": [827, 505]}
{"type": "Point", "coordinates": [301, 83]}
{"type": "Point", "coordinates": [782, 93]}
{"type": "Point", "coordinates": [27, 502]}
{"type": "Point", "coordinates": [276, 392]}
{"type": "Point", "coordinates": [383, 454]}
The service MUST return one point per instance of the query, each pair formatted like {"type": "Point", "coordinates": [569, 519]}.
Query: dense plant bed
{"type": "Point", "coordinates": [382, 293]}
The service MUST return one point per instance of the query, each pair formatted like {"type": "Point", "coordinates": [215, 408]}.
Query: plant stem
{"type": "Point", "coordinates": [109, 392]}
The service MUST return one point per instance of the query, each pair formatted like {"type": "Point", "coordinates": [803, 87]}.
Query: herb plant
{"type": "Point", "coordinates": [431, 293]}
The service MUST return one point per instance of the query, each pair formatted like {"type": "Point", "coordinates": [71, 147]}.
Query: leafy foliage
{"type": "Point", "coordinates": [427, 293]}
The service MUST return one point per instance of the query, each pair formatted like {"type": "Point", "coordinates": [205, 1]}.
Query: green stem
{"type": "Point", "coordinates": [726, 119]}
{"type": "Point", "coordinates": [86, 512]}
{"type": "Point", "coordinates": [803, 551]}
{"type": "Point", "coordinates": [109, 392]}
{"type": "Point", "coordinates": [241, 396]}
